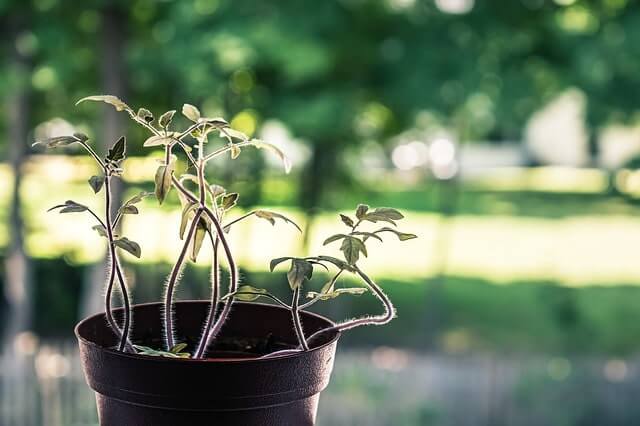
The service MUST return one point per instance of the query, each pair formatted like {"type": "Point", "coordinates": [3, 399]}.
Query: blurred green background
{"type": "Point", "coordinates": [507, 132]}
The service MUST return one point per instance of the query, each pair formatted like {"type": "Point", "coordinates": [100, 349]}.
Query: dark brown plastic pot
{"type": "Point", "coordinates": [138, 390]}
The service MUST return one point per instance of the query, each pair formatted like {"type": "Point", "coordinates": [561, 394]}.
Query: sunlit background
{"type": "Point", "coordinates": [507, 132]}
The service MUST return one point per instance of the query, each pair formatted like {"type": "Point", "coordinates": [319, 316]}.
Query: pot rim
{"type": "Point", "coordinates": [163, 360]}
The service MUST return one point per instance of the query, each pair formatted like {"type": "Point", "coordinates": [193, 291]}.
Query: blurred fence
{"type": "Point", "coordinates": [382, 387]}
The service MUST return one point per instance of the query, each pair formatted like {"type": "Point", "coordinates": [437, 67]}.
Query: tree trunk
{"type": "Point", "coordinates": [113, 45]}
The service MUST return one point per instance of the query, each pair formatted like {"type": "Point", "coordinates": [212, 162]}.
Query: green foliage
{"type": "Point", "coordinates": [129, 246]}
{"type": "Point", "coordinates": [176, 351]}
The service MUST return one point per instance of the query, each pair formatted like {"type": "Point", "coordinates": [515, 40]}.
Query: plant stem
{"type": "Point", "coordinates": [173, 278]}
{"type": "Point", "coordinates": [281, 352]}
{"type": "Point", "coordinates": [215, 295]}
{"type": "Point", "coordinates": [384, 318]}
{"type": "Point", "coordinates": [225, 149]}
{"type": "Point", "coordinates": [296, 319]}
{"type": "Point", "coordinates": [238, 219]}
{"type": "Point", "coordinates": [114, 260]}
{"type": "Point", "coordinates": [315, 299]}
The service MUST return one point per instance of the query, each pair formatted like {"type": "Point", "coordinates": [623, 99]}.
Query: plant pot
{"type": "Point", "coordinates": [138, 390]}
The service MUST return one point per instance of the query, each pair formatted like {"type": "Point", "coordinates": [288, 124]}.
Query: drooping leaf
{"type": "Point", "coordinates": [351, 248]}
{"type": "Point", "coordinates": [271, 217]}
{"type": "Point", "coordinates": [247, 293]}
{"type": "Point", "coordinates": [187, 214]}
{"type": "Point", "coordinates": [163, 179]}
{"type": "Point", "coordinates": [145, 115]}
{"type": "Point", "coordinates": [357, 291]}
{"type": "Point", "coordinates": [198, 238]}
{"type": "Point", "coordinates": [402, 236]}
{"type": "Point", "coordinates": [81, 137]}
{"type": "Point", "coordinates": [333, 238]}
{"type": "Point", "coordinates": [158, 141]}
{"type": "Point", "coordinates": [58, 141]}
{"type": "Point", "coordinates": [129, 209]}
{"type": "Point", "coordinates": [300, 270]}
{"type": "Point", "coordinates": [70, 206]}
{"type": "Point", "coordinates": [258, 143]}
{"type": "Point", "coordinates": [347, 220]}
{"type": "Point", "coordinates": [229, 200]}
{"type": "Point", "coordinates": [101, 230]}
{"type": "Point", "coordinates": [96, 183]}
{"type": "Point", "coordinates": [230, 134]}
{"type": "Point", "coordinates": [191, 112]}
{"type": "Point", "coordinates": [361, 210]}
{"type": "Point", "coordinates": [165, 119]}
{"type": "Point", "coordinates": [117, 151]}
{"type": "Point", "coordinates": [112, 100]}
{"type": "Point", "coordinates": [129, 246]}
{"type": "Point", "coordinates": [366, 235]}
{"type": "Point", "coordinates": [337, 262]}
{"type": "Point", "coordinates": [276, 262]}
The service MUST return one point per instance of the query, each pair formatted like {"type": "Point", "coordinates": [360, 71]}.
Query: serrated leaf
{"type": "Point", "coordinates": [191, 112]}
{"type": "Point", "coordinates": [187, 214]}
{"type": "Point", "coordinates": [158, 141]}
{"type": "Point", "coordinates": [198, 238]}
{"type": "Point", "coordinates": [250, 293]}
{"type": "Point", "coordinates": [367, 235]}
{"type": "Point", "coordinates": [129, 209]}
{"type": "Point", "coordinates": [361, 210]}
{"type": "Point", "coordinates": [271, 216]}
{"type": "Point", "coordinates": [129, 246]}
{"type": "Point", "coordinates": [258, 143]}
{"type": "Point", "coordinates": [70, 206]}
{"type": "Point", "coordinates": [163, 179]}
{"type": "Point", "coordinates": [229, 200]}
{"type": "Point", "coordinates": [96, 183]}
{"type": "Point", "coordinates": [145, 115]}
{"type": "Point", "coordinates": [333, 238]}
{"type": "Point", "coordinates": [110, 99]}
{"type": "Point", "coordinates": [300, 270]}
{"type": "Point", "coordinates": [117, 151]}
{"type": "Point", "coordinates": [347, 220]}
{"type": "Point", "coordinates": [351, 248]}
{"type": "Point", "coordinates": [276, 262]}
{"type": "Point", "coordinates": [165, 119]}
{"type": "Point", "coordinates": [57, 141]}
{"type": "Point", "coordinates": [101, 230]}
{"type": "Point", "coordinates": [402, 236]}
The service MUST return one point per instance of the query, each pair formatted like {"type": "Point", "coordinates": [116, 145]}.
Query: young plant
{"type": "Point", "coordinates": [204, 216]}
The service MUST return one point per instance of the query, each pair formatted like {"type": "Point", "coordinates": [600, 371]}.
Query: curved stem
{"type": "Point", "coordinates": [226, 148]}
{"type": "Point", "coordinates": [296, 319]}
{"type": "Point", "coordinates": [282, 352]}
{"type": "Point", "coordinates": [384, 318]}
{"type": "Point", "coordinates": [173, 278]}
{"type": "Point", "coordinates": [114, 259]}
{"type": "Point", "coordinates": [215, 295]}
{"type": "Point", "coordinates": [95, 156]}
{"type": "Point", "coordinates": [238, 219]}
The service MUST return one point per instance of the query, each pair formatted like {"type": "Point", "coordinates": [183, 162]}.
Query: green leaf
{"type": "Point", "coordinates": [216, 190]}
{"type": "Point", "coordinates": [81, 137]}
{"type": "Point", "coordinates": [357, 291]}
{"type": "Point", "coordinates": [101, 230]}
{"type": "Point", "coordinates": [191, 112]}
{"type": "Point", "coordinates": [163, 179]}
{"type": "Point", "coordinates": [128, 245]}
{"type": "Point", "coordinates": [333, 238]}
{"type": "Point", "coordinates": [235, 151]}
{"type": "Point", "coordinates": [139, 197]}
{"type": "Point", "coordinates": [129, 209]}
{"type": "Point", "coordinates": [402, 236]}
{"type": "Point", "coordinates": [230, 134]}
{"type": "Point", "coordinates": [187, 214]}
{"type": "Point", "coordinates": [276, 262]}
{"type": "Point", "coordinates": [337, 262]}
{"type": "Point", "coordinates": [112, 100]}
{"type": "Point", "coordinates": [178, 348]}
{"type": "Point", "coordinates": [145, 115]}
{"type": "Point", "coordinates": [96, 183]}
{"type": "Point", "coordinates": [158, 141]}
{"type": "Point", "coordinates": [58, 141]}
{"type": "Point", "coordinates": [250, 293]}
{"type": "Point", "coordinates": [361, 210]}
{"type": "Point", "coordinates": [198, 238]}
{"type": "Point", "coordinates": [229, 200]}
{"type": "Point", "coordinates": [258, 143]}
{"type": "Point", "coordinates": [383, 214]}
{"type": "Point", "coordinates": [117, 151]}
{"type": "Point", "coordinates": [165, 119]}
{"type": "Point", "coordinates": [351, 248]}
{"type": "Point", "coordinates": [299, 271]}
{"type": "Point", "coordinates": [347, 220]}
{"type": "Point", "coordinates": [70, 206]}
{"type": "Point", "coordinates": [271, 216]}
{"type": "Point", "coordinates": [367, 235]}
{"type": "Point", "coordinates": [145, 350]}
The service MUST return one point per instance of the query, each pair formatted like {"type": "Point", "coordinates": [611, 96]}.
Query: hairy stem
{"type": "Point", "coordinates": [384, 318]}
{"type": "Point", "coordinates": [124, 336]}
{"type": "Point", "coordinates": [173, 278]}
{"type": "Point", "coordinates": [215, 295]}
{"type": "Point", "coordinates": [296, 319]}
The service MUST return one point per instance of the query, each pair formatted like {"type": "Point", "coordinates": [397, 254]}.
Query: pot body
{"type": "Point", "coordinates": [140, 390]}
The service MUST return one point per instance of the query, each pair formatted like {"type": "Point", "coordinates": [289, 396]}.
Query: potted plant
{"type": "Point", "coordinates": [227, 360]}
